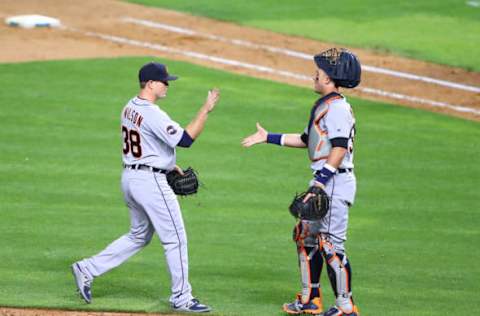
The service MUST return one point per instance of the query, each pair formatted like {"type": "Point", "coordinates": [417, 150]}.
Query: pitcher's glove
{"type": "Point", "coordinates": [315, 208]}
{"type": "Point", "coordinates": [183, 185]}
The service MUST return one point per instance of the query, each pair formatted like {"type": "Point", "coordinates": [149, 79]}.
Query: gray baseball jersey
{"type": "Point", "coordinates": [331, 118]}
{"type": "Point", "coordinates": [149, 135]}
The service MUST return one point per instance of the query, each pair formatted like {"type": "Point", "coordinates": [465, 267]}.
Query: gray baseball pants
{"type": "Point", "coordinates": [153, 208]}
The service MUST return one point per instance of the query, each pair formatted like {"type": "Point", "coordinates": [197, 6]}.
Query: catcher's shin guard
{"type": "Point", "coordinates": [340, 275]}
{"type": "Point", "coordinates": [310, 262]}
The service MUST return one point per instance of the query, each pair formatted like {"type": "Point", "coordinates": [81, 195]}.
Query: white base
{"type": "Point", "coordinates": [31, 21]}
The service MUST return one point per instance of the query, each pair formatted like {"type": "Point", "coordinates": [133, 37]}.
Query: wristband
{"type": "Point", "coordinates": [325, 174]}
{"type": "Point", "coordinates": [276, 139]}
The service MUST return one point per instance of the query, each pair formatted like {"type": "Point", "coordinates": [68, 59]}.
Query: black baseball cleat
{"type": "Point", "coordinates": [192, 306]}
{"type": "Point", "coordinates": [83, 282]}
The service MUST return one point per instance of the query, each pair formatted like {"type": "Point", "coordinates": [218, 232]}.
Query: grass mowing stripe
{"type": "Point", "coordinates": [411, 230]}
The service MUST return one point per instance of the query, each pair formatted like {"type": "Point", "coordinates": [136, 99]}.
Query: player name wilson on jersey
{"type": "Point", "coordinates": [133, 116]}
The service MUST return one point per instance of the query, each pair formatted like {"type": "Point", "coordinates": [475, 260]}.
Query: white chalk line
{"type": "Point", "coordinates": [433, 103]}
{"type": "Point", "coordinates": [297, 54]}
{"type": "Point", "coordinates": [474, 4]}
{"type": "Point", "coordinates": [264, 69]}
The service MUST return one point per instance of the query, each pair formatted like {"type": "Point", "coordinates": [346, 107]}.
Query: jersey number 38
{"type": "Point", "coordinates": [131, 142]}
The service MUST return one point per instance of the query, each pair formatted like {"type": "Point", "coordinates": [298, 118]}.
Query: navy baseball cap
{"type": "Point", "coordinates": [154, 71]}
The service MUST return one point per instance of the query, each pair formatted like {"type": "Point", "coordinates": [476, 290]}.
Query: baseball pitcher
{"type": "Point", "coordinates": [150, 137]}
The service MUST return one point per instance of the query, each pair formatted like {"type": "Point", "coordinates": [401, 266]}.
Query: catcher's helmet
{"type": "Point", "coordinates": [342, 66]}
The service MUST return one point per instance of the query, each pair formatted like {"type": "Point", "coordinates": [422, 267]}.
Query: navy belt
{"type": "Point", "coordinates": [144, 167]}
{"type": "Point", "coordinates": [340, 170]}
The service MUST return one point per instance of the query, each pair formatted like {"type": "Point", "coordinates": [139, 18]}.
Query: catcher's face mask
{"type": "Point", "coordinates": [341, 66]}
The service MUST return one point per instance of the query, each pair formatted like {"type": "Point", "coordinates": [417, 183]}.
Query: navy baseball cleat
{"type": "Point", "coordinates": [83, 282]}
{"type": "Point", "coordinates": [335, 311]}
{"type": "Point", "coordinates": [313, 307]}
{"type": "Point", "coordinates": [192, 306]}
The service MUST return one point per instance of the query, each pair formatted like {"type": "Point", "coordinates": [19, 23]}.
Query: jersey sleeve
{"type": "Point", "coordinates": [166, 129]}
{"type": "Point", "coordinates": [339, 121]}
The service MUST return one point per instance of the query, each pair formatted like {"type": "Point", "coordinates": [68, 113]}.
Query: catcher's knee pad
{"type": "Point", "coordinates": [305, 233]}
{"type": "Point", "coordinates": [339, 273]}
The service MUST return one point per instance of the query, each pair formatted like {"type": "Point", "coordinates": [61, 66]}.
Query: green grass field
{"type": "Point", "coordinates": [413, 231]}
{"type": "Point", "coordinates": [445, 32]}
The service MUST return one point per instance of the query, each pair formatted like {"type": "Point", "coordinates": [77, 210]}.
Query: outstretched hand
{"type": "Point", "coordinates": [257, 138]}
{"type": "Point", "coordinates": [212, 99]}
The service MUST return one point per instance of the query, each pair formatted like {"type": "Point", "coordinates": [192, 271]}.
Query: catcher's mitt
{"type": "Point", "coordinates": [315, 208]}
{"type": "Point", "coordinates": [183, 185]}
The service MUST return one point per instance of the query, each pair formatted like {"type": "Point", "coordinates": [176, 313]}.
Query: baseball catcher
{"type": "Point", "coordinates": [322, 211]}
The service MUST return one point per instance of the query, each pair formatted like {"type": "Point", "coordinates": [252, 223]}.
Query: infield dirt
{"type": "Point", "coordinates": [108, 17]}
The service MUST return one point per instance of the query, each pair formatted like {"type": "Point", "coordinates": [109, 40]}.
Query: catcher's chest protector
{"type": "Point", "coordinates": [318, 143]}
